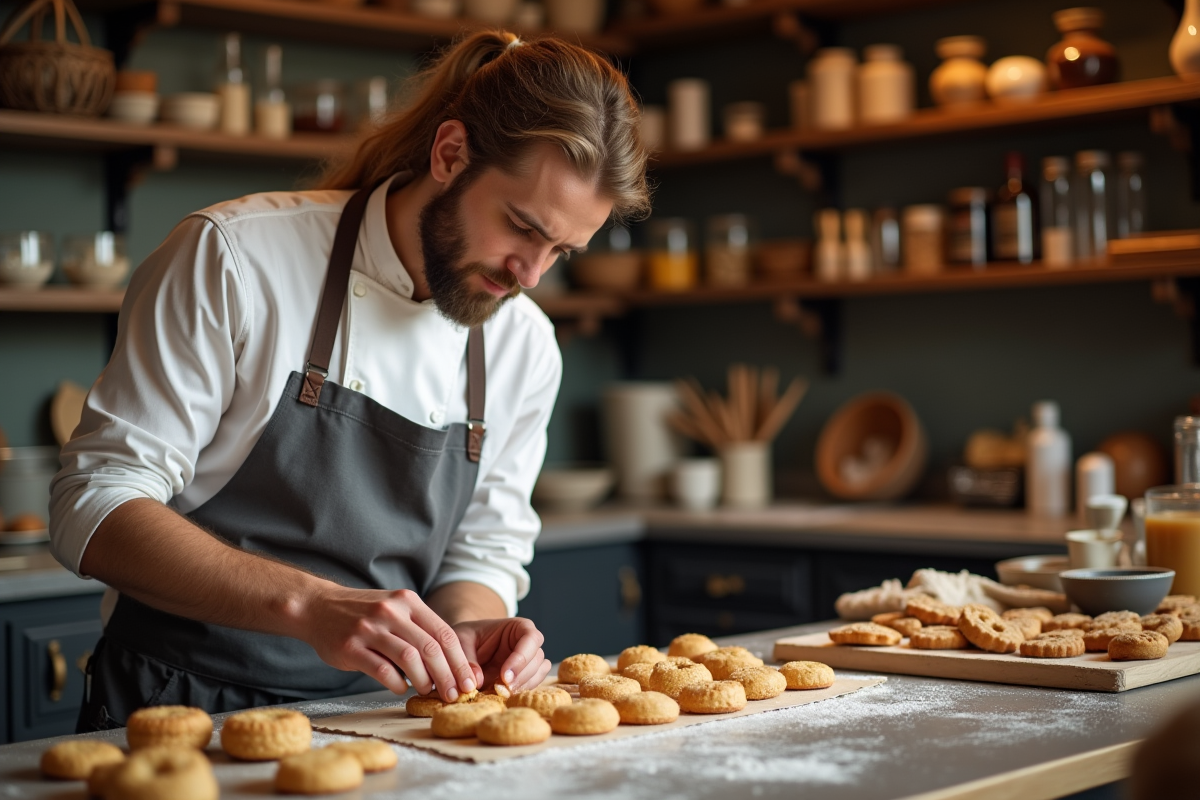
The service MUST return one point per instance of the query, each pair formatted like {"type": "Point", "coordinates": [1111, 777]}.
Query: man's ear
{"type": "Point", "coordinates": [449, 155]}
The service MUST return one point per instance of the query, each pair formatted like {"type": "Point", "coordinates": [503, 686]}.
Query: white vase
{"type": "Point", "coordinates": [1185, 46]}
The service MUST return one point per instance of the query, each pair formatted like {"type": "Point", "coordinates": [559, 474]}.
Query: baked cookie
{"type": "Point", "coordinates": [163, 772]}
{"type": "Point", "coordinates": [714, 697]}
{"type": "Point", "coordinates": [98, 778]}
{"type": "Point", "coordinates": [1055, 644]}
{"type": "Point", "coordinates": [898, 621]}
{"type": "Point", "coordinates": [1168, 625]}
{"type": "Point", "coordinates": [542, 699]}
{"type": "Point", "coordinates": [607, 687]}
{"type": "Point", "coordinates": [1174, 603]}
{"type": "Point", "coordinates": [1028, 626]}
{"type": "Point", "coordinates": [1062, 621]}
{"type": "Point", "coordinates": [639, 654]}
{"type": "Point", "coordinates": [639, 673]}
{"type": "Point", "coordinates": [75, 760]}
{"type": "Point", "coordinates": [805, 675]}
{"type": "Point", "coordinates": [375, 755]}
{"type": "Point", "coordinates": [931, 611]}
{"type": "Point", "coordinates": [1096, 641]}
{"type": "Point", "coordinates": [459, 721]}
{"type": "Point", "coordinates": [573, 668]}
{"type": "Point", "coordinates": [587, 717]}
{"type": "Point", "coordinates": [1190, 617]}
{"type": "Point", "coordinates": [169, 725]}
{"type": "Point", "coordinates": [724, 660]}
{"type": "Point", "coordinates": [1115, 619]}
{"type": "Point", "coordinates": [1040, 613]}
{"type": "Point", "coordinates": [423, 705]}
{"type": "Point", "coordinates": [761, 682]}
{"type": "Point", "coordinates": [865, 633]}
{"type": "Point", "coordinates": [265, 734]}
{"type": "Point", "coordinates": [514, 727]}
{"type": "Point", "coordinates": [1138, 646]}
{"type": "Point", "coordinates": [647, 708]}
{"type": "Point", "coordinates": [986, 630]}
{"type": "Point", "coordinates": [938, 637]}
{"type": "Point", "coordinates": [690, 645]}
{"type": "Point", "coordinates": [328, 770]}
{"type": "Point", "coordinates": [670, 678]}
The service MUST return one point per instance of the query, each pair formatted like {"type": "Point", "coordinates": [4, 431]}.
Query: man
{"type": "Point", "coordinates": [301, 472]}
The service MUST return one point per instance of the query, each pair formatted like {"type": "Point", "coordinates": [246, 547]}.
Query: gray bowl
{"type": "Point", "coordinates": [1137, 589]}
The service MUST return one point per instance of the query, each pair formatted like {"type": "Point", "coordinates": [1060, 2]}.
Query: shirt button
{"type": "Point", "coordinates": [360, 290]}
{"type": "Point", "coordinates": [436, 417]}
{"type": "Point", "coordinates": [356, 385]}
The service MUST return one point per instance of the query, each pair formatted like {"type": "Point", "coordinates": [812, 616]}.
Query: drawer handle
{"type": "Point", "coordinates": [59, 664]}
{"type": "Point", "coordinates": [719, 586]}
{"type": "Point", "coordinates": [631, 589]}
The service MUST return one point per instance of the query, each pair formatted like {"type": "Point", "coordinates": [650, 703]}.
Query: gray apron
{"type": "Point", "coordinates": [337, 485]}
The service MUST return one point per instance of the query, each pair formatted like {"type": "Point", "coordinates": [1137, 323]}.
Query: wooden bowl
{"type": "Point", "coordinates": [610, 272]}
{"type": "Point", "coordinates": [879, 422]}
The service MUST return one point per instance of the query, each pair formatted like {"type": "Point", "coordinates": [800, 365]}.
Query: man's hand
{"type": "Point", "coordinates": [508, 650]}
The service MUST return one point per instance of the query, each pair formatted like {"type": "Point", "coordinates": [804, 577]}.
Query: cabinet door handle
{"type": "Point", "coordinates": [59, 663]}
{"type": "Point", "coordinates": [719, 586]}
{"type": "Point", "coordinates": [631, 589]}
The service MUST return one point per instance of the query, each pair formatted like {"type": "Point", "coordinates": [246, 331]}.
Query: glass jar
{"type": "Point", "coordinates": [886, 85]}
{"type": "Point", "coordinates": [1081, 58]}
{"type": "Point", "coordinates": [1131, 194]}
{"type": "Point", "coordinates": [1187, 450]}
{"type": "Point", "coordinates": [885, 240]}
{"type": "Point", "coordinates": [369, 102]}
{"type": "Point", "coordinates": [967, 234]}
{"type": "Point", "coordinates": [233, 88]}
{"type": "Point", "coordinates": [1173, 534]}
{"type": "Point", "coordinates": [1058, 245]}
{"type": "Point", "coordinates": [728, 244]}
{"type": "Point", "coordinates": [831, 78]}
{"type": "Point", "coordinates": [744, 122]}
{"type": "Point", "coordinates": [272, 113]}
{"type": "Point", "coordinates": [26, 259]}
{"type": "Point", "coordinates": [672, 259]}
{"type": "Point", "coordinates": [1091, 204]}
{"type": "Point", "coordinates": [319, 107]}
{"type": "Point", "coordinates": [96, 260]}
{"type": "Point", "coordinates": [923, 239]}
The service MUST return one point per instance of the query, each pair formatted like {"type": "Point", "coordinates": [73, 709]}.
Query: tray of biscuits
{"type": "Point", "coordinates": [1112, 652]}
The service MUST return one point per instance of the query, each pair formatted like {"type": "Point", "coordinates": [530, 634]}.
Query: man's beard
{"type": "Point", "coordinates": [443, 245]}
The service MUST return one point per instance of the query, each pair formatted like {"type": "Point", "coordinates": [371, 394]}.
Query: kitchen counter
{"type": "Point", "coordinates": [30, 572]}
{"type": "Point", "coordinates": [908, 738]}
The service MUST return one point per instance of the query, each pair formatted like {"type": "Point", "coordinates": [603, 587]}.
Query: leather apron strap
{"type": "Point", "coordinates": [333, 300]}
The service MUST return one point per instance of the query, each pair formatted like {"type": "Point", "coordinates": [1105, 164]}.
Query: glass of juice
{"type": "Point", "coordinates": [1173, 534]}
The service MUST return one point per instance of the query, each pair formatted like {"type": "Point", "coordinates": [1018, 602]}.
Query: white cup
{"type": "Point", "coordinates": [696, 483]}
{"type": "Point", "coordinates": [746, 474]}
{"type": "Point", "coordinates": [1093, 549]}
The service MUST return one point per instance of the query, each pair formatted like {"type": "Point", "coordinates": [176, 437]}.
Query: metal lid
{"type": "Point", "coordinates": [883, 52]}
{"type": "Point", "coordinates": [926, 215]}
{"type": "Point", "coordinates": [1078, 19]}
{"type": "Point", "coordinates": [961, 47]}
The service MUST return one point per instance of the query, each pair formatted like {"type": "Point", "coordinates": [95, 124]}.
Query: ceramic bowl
{"type": "Point", "coordinates": [97, 260]}
{"type": "Point", "coordinates": [1039, 572]}
{"type": "Point", "coordinates": [1016, 79]}
{"type": "Point", "coordinates": [572, 488]}
{"type": "Point", "coordinates": [26, 259]}
{"type": "Point", "coordinates": [1137, 589]}
{"type": "Point", "coordinates": [136, 108]}
{"type": "Point", "coordinates": [196, 110]}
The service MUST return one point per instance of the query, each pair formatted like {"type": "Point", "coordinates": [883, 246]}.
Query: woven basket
{"type": "Point", "coordinates": [59, 76]}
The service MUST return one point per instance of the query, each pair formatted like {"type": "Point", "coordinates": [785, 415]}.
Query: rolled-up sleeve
{"type": "Point", "coordinates": [160, 398]}
{"type": "Point", "coordinates": [495, 540]}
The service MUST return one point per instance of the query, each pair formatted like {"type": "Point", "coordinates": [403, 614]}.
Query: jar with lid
{"type": "Point", "coordinates": [233, 88]}
{"type": "Point", "coordinates": [368, 102]}
{"type": "Point", "coordinates": [744, 122]}
{"type": "Point", "coordinates": [831, 81]}
{"type": "Point", "coordinates": [319, 107]}
{"type": "Point", "coordinates": [1092, 198]}
{"type": "Point", "coordinates": [1131, 194]}
{"type": "Point", "coordinates": [688, 123]}
{"type": "Point", "coordinates": [886, 85]}
{"type": "Point", "coordinates": [672, 259]}
{"type": "Point", "coordinates": [961, 78]}
{"type": "Point", "coordinates": [728, 243]}
{"type": "Point", "coordinates": [1058, 235]}
{"type": "Point", "coordinates": [923, 239]}
{"type": "Point", "coordinates": [1081, 58]}
{"type": "Point", "coordinates": [1187, 450]}
{"type": "Point", "coordinates": [885, 240]}
{"type": "Point", "coordinates": [272, 113]}
{"type": "Point", "coordinates": [967, 229]}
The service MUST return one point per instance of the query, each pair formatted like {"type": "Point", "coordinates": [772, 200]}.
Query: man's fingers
{"type": "Point", "coordinates": [408, 658]}
{"type": "Point", "coordinates": [535, 679]}
{"type": "Point", "coordinates": [525, 676]}
{"type": "Point", "coordinates": [381, 669]}
{"type": "Point", "coordinates": [443, 652]}
{"type": "Point", "coordinates": [526, 651]}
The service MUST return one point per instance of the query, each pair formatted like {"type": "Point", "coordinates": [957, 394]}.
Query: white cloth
{"type": "Point", "coordinates": [216, 319]}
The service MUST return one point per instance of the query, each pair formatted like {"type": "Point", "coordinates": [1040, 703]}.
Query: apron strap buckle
{"type": "Point", "coordinates": [314, 381]}
{"type": "Point", "coordinates": [476, 428]}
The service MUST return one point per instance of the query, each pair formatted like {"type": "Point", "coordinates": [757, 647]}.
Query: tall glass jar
{"type": "Point", "coordinates": [728, 243]}
{"type": "Point", "coordinates": [1187, 450]}
{"type": "Point", "coordinates": [272, 113]}
{"type": "Point", "coordinates": [1131, 194]}
{"type": "Point", "coordinates": [1092, 227]}
{"type": "Point", "coordinates": [1058, 242]}
{"type": "Point", "coordinates": [672, 258]}
{"type": "Point", "coordinates": [1173, 534]}
{"type": "Point", "coordinates": [967, 237]}
{"type": "Point", "coordinates": [233, 88]}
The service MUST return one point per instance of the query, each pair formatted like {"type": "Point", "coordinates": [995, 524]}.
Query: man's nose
{"type": "Point", "coordinates": [526, 270]}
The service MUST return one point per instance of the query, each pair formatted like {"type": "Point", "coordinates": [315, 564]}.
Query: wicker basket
{"type": "Point", "coordinates": [59, 76]}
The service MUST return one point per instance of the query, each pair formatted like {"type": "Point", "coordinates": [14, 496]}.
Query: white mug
{"type": "Point", "coordinates": [696, 483]}
{"type": "Point", "coordinates": [1094, 549]}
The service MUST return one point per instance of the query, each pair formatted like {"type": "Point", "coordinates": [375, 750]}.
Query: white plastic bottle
{"type": "Point", "coordinates": [1047, 464]}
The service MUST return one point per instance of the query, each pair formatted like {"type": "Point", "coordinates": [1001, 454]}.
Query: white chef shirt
{"type": "Point", "coordinates": [217, 318]}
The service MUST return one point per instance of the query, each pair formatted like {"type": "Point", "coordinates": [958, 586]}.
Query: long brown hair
{"type": "Point", "coordinates": [511, 94]}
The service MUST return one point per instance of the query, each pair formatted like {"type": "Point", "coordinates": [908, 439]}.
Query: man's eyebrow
{"type": "Point", "coordinates": [532, 222]}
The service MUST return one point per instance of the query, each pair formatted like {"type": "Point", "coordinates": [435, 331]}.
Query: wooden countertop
{"type": "Point", "coordinates": [908, 738]}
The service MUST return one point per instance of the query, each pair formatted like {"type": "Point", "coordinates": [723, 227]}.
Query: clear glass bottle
{"type": "Point", "coordinates": [1091, 204]}
{"type": "Point", "coordinates": [1014, 215]}
{"type": "Point", "coordinates": [272, 112]}
{"type": "Point", "coordinates": [1131, 194]}
{"type": "Point", "coordinates": [885, 240]}
{"type": "Point", "coordinates": [729, 239]}
{"type": "Point", "coordinates": [967, 228]}
{"type": "Point", "coordinates": [233, 88]}
{"type": "Point", "coordinates": [673, 260]}
{"type": "Point", "coordinates": [1187, 450]}
{"type": "Point", "coordinates": [1058, 242]}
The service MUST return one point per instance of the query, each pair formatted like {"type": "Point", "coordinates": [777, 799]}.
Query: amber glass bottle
{"type": "Point", "coordinates": [1081, 58]}
{"type": "Point", "coordinates": [1014, 215]}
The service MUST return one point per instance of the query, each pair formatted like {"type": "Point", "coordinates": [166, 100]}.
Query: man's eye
{"type": "Point", "coordinates": [517, 229]}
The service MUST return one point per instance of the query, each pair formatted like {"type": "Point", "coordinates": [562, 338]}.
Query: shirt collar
{"type": "Point", "coordinates": [381, 261]}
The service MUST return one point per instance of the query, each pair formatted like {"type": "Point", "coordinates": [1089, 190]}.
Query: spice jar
{"type": "Point", "coordinates": [1131, 194]}
{"type": "Point", "coordinates": [319, 106]}
{"type": "Point", "coordinates": [744, 122]}
{"type": "Point", "coordinates": [727, 250]}
{"type": "Point", "coordinates": [1081, 58]}
{"type": "Point", "coordinates": [1092, 199]}
{"type": "Point", "coordinates": [923, 239]}
{"type": "Point", "coordinates": [961, 77]}
{"type": "Point", "coordinates": [967, 235]}
{"type": "Point", "coordinates": [272, 113]}
{"type": "Point", "coordinates": [672, 258]}
{"type": "Point", "coordinates": [1058, 234]}
{"type": "Point", "coordinates": [233, 90]}
{"type": "Point", "coordinates": [831, 80]}
{"type": "Point", "coordinates": [886, 85]}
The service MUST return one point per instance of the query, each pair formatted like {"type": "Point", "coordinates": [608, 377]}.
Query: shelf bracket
{"type": "Point", "coordinates": [820, 320]}
{"type": "Point", "coordinates": [125, 169]}
{"type": "Point", "coordinates": [788, 26]}
{"type": "Point", "coordinates": [791, 163]}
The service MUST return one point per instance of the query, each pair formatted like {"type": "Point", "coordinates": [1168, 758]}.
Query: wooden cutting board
{"type": "Point", "coordinates": [1092, 672]}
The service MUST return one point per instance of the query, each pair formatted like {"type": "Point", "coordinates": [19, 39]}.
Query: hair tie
{"type": "Point", "coordinates": [514, 43]}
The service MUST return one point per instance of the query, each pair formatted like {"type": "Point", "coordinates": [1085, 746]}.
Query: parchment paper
{"type": "Point", "coordinates": [395, 725]}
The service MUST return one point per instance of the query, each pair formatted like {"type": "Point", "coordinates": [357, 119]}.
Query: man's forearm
{"type": "Point", "coordinates": [464, 601]}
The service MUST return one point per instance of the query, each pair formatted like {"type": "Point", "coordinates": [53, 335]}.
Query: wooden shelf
{"type": "Point", "coordinates": [62, 298]}
{"type": "Point", "coordinates": [314, 20]}
{"type": "Point", "coordinates": [1127, 99]}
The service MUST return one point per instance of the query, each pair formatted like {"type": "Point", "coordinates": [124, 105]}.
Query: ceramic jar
{"type": "Point", "coordinates": [688, 113]}
{"type": "Point", "coordinates": [1016, 79]}
{"type": "Point", "coordinates": [961, 77]}
{"type": "Point", "coordinates": [831, 80]}
{"type": "Point", "coordinates": [1082, 58]}
{"type": "Point", "coordinates": [886, 85]}
{"type": "Point", "coordinates": [1185, 46]}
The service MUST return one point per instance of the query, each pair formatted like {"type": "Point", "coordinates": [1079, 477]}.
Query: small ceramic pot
{"type": "Point", "coordinates": [961, 77]}
{"type": "Point", "coordinates": [1016, 78]}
